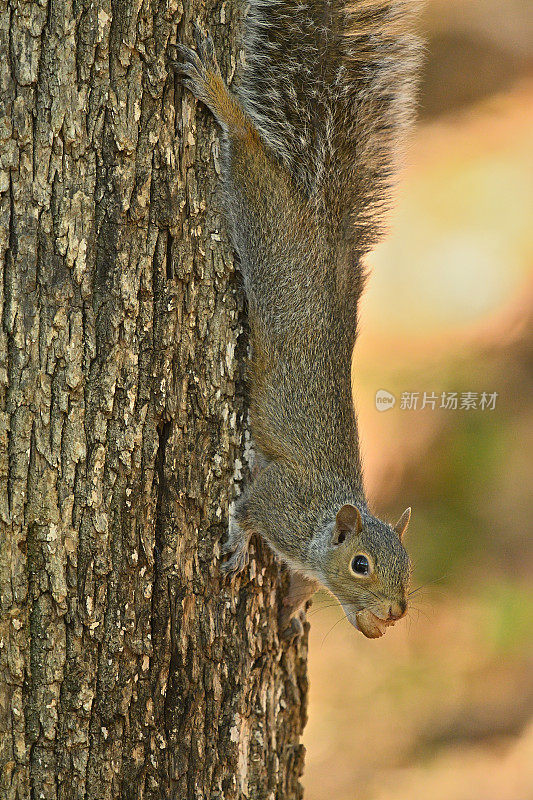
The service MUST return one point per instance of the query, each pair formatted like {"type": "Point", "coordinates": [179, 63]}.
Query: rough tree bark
{"type": "Point", "coordinates": [127, 668]}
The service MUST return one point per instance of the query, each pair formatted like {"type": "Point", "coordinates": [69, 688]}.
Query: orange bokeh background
{"type": "Point", "coordinates": [442, 706]}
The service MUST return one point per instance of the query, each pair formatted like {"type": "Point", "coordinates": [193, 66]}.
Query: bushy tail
{"type": "Point", "coordinates": [330, 86]}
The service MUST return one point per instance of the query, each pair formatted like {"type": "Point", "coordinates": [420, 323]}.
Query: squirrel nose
{"type": "Point", "coordinates": [397, 610]}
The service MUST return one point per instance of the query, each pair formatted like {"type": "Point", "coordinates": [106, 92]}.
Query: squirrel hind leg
{"type": "Point", "coordinates": [201, 75]}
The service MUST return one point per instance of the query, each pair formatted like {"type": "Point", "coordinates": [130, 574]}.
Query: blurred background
{"type": "Point", "coordinates": [441, 708]}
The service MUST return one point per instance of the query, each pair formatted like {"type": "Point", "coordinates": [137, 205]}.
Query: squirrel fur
{"type": "Point", "coordinates": [310, 143]}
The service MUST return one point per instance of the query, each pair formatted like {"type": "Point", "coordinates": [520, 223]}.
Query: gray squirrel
{"type": "Point", "coordinates": [310, 141]}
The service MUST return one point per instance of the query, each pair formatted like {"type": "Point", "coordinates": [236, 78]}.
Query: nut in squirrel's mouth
{"type": "Point", "coordinates": [371, 626]}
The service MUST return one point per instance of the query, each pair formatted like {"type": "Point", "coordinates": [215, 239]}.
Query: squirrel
{"type": "Point", "coordinates": [310, 140]}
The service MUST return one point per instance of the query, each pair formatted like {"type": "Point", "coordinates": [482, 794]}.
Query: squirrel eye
{"type": "Point", "coordinates": [360, 565]}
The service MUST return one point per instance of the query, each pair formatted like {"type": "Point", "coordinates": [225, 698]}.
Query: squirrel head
{"type": "Point", "coordinates": [367, 569]}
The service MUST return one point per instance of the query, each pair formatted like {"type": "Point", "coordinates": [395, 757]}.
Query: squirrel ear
{"type": "Point", "coordinates": [403, 522]}
{"type": "Point", "coordinates": [349, 519]}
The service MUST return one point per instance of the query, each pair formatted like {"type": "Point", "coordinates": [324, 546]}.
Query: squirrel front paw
{"type": "Point", "coordinates": [292, 616]}
{"type": "Point", "coordinates": [236, 546]}
{"type": "Point", "coordinates": [236, 563]}
{"type": "Point", "coordinates": [291, 627]}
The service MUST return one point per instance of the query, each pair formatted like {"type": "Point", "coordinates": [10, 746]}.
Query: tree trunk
{"type": "Point", "coordinates": [128, 668]}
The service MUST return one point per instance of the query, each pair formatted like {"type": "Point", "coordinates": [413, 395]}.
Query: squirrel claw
{"type": "Point", "coordinates": [235, 546]}
{"type": "Point", "coordinates": [227, 547]}
{"type": "Point", "coordinates": [200, 70]}
{"type": "Point", "coordinates": [205, 47]}
{"type": "Point", "coordinates": [294, 630]}
{"type": "Point", "coordinates": [291, 622]}
{"type": "Point", "coordinates": [196, 64]}
{"type": "Point", "coordinates": [230, 549]}
{"type": "Point", "coordinates": [235, 564]}
{"type": "Point", "coordinates": [238, 552]}
{"type": "Point", "coordinates": [190, 67]}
